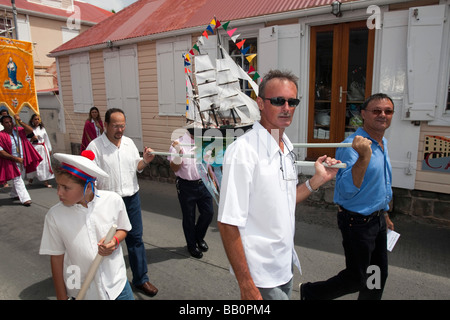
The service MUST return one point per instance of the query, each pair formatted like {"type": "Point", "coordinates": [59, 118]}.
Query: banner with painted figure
{"type": "Point", "coordinates": [17, 83]}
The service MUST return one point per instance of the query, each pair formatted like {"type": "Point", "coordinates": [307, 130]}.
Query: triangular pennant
{"type": "Point", "coordinates": [240, 44]}
{"type": "Point", "coordinates": [192, 52]}
{"type": "Point", "coordinates": [256, 76]}
{"type": "Point", "coordinates": [205, 34]}
{"type": "Point", "coordinates": [234, 38]}
{"type": "Point", "coordinates": [213, 22]}
{"type": "Point", "coordinates": [186, 64]}
{"type": "Point", "coordinates": [200, 39]}
{"type": "Point", "coordinates": [196, 47]}
{"type": "Point", "coordinates": [210, 29]}
{"type": "Point", "coordinates": [250, 57]}
{"type": "Point", "coordinates": [251, 69]}
{"type": "Point", "coordinates": [225, 25]}
{"type": "Point", "coordinates": [187, 57]}
{"type": "Point", "coordinates": [217, 24]}
{"type": "Point", "coordinates": [230, 33]}
{"type": "Point", "coordinates": [244, 51]}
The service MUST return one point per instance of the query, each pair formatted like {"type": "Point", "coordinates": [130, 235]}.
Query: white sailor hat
{"type": "Point", "coordinates": [81, 166]}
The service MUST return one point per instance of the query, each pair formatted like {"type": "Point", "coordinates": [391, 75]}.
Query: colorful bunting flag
{"type": "Point", "coordinates": [256, 76]}
{"type": "Point", "coordinates": [231, 32]}
{"type": "Point", "coordinates": [244, 51]}
{"type": "Point", "coordinates": [217, 24]}
{"type": "Point", "coordinates": [250, 57]}
{"type": "Point", "coordinates": [251, 69]}
{"type": "Point", "coordinates": [205, 34]}
{"type": "Point", "coordinates": [210, 29]}
{"type": "Point", "coordinates": [240, 44]}
{"type": "Point", "coordinates": [234, 38]}
{"type": "Point", "coordinates": [225, 25]}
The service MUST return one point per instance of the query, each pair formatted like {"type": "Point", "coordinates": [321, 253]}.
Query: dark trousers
{"type": "Point", "coordinates": [365, 244]}
{"type": "Point", "coordinates": [192, 194]}
{"type": "Point", "coordinates": [135, 244]}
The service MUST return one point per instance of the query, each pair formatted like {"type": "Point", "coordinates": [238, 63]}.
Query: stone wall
{"type": "Point", "coordinates": [431, 206]}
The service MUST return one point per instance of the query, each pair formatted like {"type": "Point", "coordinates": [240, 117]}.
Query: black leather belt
{"type": "Point", "coordinates": [367, 216]}
{"type": "Point", "coordinates": [199, 181]}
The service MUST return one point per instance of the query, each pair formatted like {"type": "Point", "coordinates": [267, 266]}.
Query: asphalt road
{"type": "Point", "coordinates": [419, 264]}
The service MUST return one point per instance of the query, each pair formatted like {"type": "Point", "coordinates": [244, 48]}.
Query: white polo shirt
{"type": "Point", "coordinates": [119, 162]}
{"type": "Point", "coordinates": [75, 231]}
{"type": "Point", "coordinates": [258, 195]}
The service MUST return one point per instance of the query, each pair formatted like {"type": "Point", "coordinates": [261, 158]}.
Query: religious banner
{"type": "Point", "coordinates": [17, 84]}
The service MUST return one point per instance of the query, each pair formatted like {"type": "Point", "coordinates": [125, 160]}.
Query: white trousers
{"type": "Point", "coordinates": [18, 188]}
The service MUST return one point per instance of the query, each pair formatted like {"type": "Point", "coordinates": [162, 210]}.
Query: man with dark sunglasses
{"type": "Point", "coordinates": [259, 193]}
{"type": "Point", "coordinates": [363, 192]}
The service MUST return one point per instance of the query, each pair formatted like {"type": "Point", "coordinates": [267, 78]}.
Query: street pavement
{"type": "Point", "coordinates": [419, 264]}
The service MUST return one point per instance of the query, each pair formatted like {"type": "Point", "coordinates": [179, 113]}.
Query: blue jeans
{"type": "Point", "coordinates": [282, 292]}
{"type": "Point", "coordinates": [192, 194]}
{"type": "Point", "coordinates": [365, 244]}
{"type": "Point", "coordinates": [127, 293]}
{"type": "Point", "coordinates": [135, 244]}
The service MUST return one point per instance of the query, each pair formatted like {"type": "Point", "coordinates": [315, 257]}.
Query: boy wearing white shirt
{"type": "Point", "coordinates": [75, 228]}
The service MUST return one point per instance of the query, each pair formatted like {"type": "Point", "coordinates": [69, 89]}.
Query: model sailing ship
{"type": "Point", "coordinates": [216, 98]}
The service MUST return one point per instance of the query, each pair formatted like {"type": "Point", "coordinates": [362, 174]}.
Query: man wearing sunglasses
{"type": "Point", "coordinates": [259, 192]}
{"type": "Point", "coordinates": [363, 192]}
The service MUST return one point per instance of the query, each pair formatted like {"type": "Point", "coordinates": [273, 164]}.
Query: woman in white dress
{"type": "Point", "coordinates": [41, 143]}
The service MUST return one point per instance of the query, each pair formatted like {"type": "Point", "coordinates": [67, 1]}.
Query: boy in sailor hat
{"type": "Point", "coordinates": [75, 228]}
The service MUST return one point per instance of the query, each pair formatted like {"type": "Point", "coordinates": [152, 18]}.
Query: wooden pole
{"type": "Point", "coordinates": [94, 266]}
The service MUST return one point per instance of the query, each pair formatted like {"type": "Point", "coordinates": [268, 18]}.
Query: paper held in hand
{"type": "Point", "coordinates": [392, 238]}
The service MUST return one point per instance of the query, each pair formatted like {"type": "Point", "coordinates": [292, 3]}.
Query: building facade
{"type": "Point", "coordinates": [134, 61]}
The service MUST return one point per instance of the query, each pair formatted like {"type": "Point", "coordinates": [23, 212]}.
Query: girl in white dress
{"type": "Point", "coordinates": [41, 143]}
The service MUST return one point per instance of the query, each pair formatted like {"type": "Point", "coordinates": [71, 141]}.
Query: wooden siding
{"type": "Point", "coordinates": [429, 180]}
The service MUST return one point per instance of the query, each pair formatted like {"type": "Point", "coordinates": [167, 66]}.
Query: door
{"type": "Point", "coordinates": [340, 80]}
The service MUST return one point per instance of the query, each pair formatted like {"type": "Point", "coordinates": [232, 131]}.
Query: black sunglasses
{"type": "Point", "coordinates": [377, 112]}
{"type": "Point", "coordinates": [280, 101]}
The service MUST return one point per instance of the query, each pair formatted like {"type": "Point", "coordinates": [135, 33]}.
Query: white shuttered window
{"type": "Point", "coordinates": [80, 75]}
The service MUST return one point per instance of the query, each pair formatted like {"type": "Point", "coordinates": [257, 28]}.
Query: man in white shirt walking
{"type": "Point", "coordinates": [119, 157]}
{"type": "Point", "coordinates": [259, 192]}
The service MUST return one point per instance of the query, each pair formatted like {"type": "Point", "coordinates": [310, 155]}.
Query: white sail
{"type": "Point", "coordinates": [219, 95]}
{"type": "Point", "coordinates": [238, 71]}
{"type": "Point", "coordinates": [203, 63]}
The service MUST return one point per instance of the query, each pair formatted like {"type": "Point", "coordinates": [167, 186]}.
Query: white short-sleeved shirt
{"type": "Point", "coordinates": [188, 169]}
{"type": "Point", "coordinates": [119, 162]}
{"type": "Point", "coordinates": [258, 195]}
{"type": "Point", "coordinates": [75, 231]}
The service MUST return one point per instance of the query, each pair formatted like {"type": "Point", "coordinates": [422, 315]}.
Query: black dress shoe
{"type": "Point", "coordinates": [195, 253]}
{"type": "Point", "coordinates": [202, 246]}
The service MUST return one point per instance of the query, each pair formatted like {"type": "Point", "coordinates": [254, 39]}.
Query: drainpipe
{"type": "Point", "coordinates": [13, 5]}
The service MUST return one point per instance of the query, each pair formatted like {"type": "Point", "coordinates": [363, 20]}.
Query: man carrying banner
{"type": "Point", "coordinates": [17, 156]}
{"type": "Point", "coordinates": [259, 193]}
